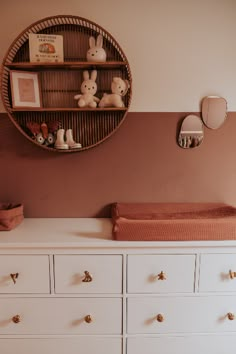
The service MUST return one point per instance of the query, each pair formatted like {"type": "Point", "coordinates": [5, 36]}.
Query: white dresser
{"type": "Point", "coordinates": [67, 287]}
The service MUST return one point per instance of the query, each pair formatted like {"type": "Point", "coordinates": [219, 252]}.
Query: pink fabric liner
{"type": "Point", "coordinates": [173, 221]}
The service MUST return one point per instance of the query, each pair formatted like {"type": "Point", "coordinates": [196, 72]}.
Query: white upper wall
{"type": "Point", "coordinates": [179, 50]}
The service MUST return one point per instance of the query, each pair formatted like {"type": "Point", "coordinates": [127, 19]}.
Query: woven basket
{"type": "Point", "coordinates": [11, 215]}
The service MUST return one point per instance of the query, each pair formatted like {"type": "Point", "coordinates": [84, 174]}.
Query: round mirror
{"type": "Point", "coordinates": [191, 132]}
{"type": "Point", "coordinates": [214, 111]}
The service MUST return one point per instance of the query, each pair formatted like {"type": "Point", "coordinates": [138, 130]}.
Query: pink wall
{"type": "Point", "coordinates": [141, 162]}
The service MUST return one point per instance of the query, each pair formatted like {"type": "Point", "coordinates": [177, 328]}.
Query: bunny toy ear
{"type": "Point", "coordinates": [94, 75]}
{"type": "Point", "coordinates": [91, 42]}
{"type": "Point", "coordinates": [99, 41]}
{"type": "Point", "coordinates": [86, 75]}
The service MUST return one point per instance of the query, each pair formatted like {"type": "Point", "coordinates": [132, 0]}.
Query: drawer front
{"type": "Point", "coordinates": [24, 274]}
{"type": "Point", "coordinates": [145, 273]}
{"type": "Point", "coordinates": [104, 274]}
{"type": "Point", "coordinates": [61, 316]}
{"type": "Point", "coordinates": [215, 272]}
{"type": "Point", "coordinates": [86, 345]}
{"type": "Point", "coordinates": [181, 314]}
{"type": "Point", "coordinates": [185, 345]}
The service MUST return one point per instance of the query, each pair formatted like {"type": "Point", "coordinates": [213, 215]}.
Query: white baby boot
{"type": "Point", "coordinates": [60, 142]}
{"type": "Point", "coordinates": [70, 141]}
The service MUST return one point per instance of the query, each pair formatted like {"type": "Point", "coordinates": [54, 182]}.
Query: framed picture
{"type": "Point", "coordinates": [25, 89]}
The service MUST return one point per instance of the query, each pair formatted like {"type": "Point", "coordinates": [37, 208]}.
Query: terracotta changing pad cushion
{"type": "Point", "coordinates": [173, 221]}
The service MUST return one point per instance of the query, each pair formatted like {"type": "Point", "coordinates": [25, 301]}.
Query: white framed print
{"type": "Point", "coordinates": [25, 91]}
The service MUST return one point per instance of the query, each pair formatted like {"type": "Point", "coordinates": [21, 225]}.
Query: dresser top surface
{"type": "Point", "coordinates": [83, 233]}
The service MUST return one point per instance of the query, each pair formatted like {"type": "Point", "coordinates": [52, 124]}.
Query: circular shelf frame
{"type": "Point", "coordinates": [59, 82]}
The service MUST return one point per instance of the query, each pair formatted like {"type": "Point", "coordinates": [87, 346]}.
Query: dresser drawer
{"type": "Point", "coordinates": [24, 274]}
{"type": "Point", "coordinates": [104, 274]}
{"type": "Point", "coordinates": [210, 344]}
{"type": "Point", "coordinates": [181, 314]}
{"type": "Point", "coordinates": [215, 272]}
{"type": "Point", "coordinates": [145, 273]}
{"type": "Point", "coordinates": [60, 316]}
{"type": "Point", "coordinates": [84, 345]}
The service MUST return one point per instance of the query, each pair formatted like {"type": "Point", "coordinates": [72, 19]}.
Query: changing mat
{"type": "Point", "coordinates": [173, 221]}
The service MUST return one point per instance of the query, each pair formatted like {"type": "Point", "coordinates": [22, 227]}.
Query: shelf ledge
{"type": "Point", "coordinates": [33, 109]}
{"type": "Point", "coordinates": [66, 65]}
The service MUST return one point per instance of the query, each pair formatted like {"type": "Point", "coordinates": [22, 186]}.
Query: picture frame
{"type": "Point", "coordinates": [25, 90]}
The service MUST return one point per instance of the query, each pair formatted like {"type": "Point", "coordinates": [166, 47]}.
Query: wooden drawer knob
{"type": "Point", "coordinates": [160, 318]}
{"type": "Point", "coordinates": [230, 316]}
{"type": "Point", "coordinates": [14, 276]}
{"type": "Point", "coordinates": [87, 277]}
{"type": "Point", "coordinates": [161, 276]}
{"type": "Point", "coordinates": [16, 319]}
{"type": "Point", "coordinates": [88, 319]}
{"type": "Point", "coordinates": [232, 274]}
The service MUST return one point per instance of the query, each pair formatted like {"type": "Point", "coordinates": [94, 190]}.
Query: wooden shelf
{"type": "Point", "coordinates": [32, 109]}
{"type": "Point", "coordinates": [58, 83]}
{"type": "Point", "coordinates": [66, 65]}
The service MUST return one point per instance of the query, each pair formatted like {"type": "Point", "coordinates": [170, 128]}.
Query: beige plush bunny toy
{"type": "Point", "coordinates": [96, 52]}
{"type": "Point", "coordinates": [88, 89]}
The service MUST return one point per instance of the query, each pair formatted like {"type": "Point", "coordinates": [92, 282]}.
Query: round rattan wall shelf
{"type": "Point", "coordinates": [59, 82]}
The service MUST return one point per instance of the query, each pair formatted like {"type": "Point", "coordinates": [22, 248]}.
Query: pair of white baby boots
{"type": "Point", "coordinates": [66, 141]}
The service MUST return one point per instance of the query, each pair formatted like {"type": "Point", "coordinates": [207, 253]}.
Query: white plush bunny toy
{"type": "Point", "coordinates": [96, 52]}
{"type": "Point", "coordinates": [88, 89]}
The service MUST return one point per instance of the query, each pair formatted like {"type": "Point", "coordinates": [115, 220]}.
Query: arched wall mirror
{"type": "Point", "coordinates": [191, 132]}
{"type": "Point", "coordinates": [214, 111]}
